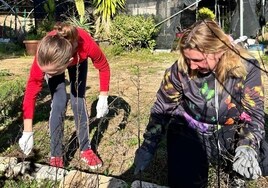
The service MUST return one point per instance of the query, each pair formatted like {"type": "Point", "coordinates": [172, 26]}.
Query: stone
{"type": "Point", "coordinates": [39, 172]}
{"type": "Point", "coordinates": [80, 179]}
{"type": "Point", "coordinates": [143, 184]}
{"type": "Point", "coordinates": [7, 163]}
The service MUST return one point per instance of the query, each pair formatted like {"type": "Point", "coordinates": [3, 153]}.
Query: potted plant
{"type": "Point", "coordinates": [37, 32]}
{"type": "Point", "coordinates": [31, 40]}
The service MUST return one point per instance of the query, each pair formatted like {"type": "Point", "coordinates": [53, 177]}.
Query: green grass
{"type": "Point", "coordinates": [142, 56]}
{"type": "Point", "coordinates": [22, 183]}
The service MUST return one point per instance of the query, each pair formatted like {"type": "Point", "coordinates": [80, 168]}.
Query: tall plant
{"type": "Point", "coordinates": [50, 8]}
{"type": "Point", "coordinates": [105, 11]}
{"type": "Point", "coordinates": [84, 20]}
{"type": "Point", "coordinates": [80, 7]}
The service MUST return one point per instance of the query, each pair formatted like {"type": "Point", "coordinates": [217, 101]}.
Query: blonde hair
{"type": "Point", "coordinates": [58, 48]}
{"type": "Point", "coordinates": [207, 37]}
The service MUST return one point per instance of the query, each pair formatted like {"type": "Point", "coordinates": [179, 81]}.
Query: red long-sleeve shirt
{"type": "Point", "coordinates": [87, 48]}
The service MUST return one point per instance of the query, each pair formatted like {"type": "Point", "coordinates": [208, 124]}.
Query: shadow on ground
{"type": "Point", "coordinates": [101, 125]}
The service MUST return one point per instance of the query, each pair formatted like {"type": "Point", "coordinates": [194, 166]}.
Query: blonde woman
{"type": "Point", "coordinates": [211, 103]}
{"type": "Point", "coordinates": [66, 47]}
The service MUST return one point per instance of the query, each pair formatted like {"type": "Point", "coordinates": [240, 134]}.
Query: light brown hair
{"type": "Point", "coordinates": [54, 49]}
{"type": "Point", "coordinates": [67, 31]}
{"type": "Point", "coordinates": [57, 48]}
{"type": "Point", "coordinates": [207, 37]}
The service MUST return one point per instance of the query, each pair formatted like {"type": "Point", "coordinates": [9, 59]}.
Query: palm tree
{"type": "Point", "coordinates": [105, 11]}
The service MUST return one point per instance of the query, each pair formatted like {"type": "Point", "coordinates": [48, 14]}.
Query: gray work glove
{"type": "Point", "coordinates": [142, 159]}
{"type": "Point", "coordinates": [246, 163]}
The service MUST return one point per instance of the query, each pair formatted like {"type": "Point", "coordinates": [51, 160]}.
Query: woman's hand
{"type": "Point", "coordinates": [26, 142]}
{"type": "Point", "coordinates": [102, 106]}
{"type": "Point", "coordinates": [246, 163]}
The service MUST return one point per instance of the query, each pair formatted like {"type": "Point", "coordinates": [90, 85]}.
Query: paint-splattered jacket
{"type": "Point", "coordinates": [241, 102]}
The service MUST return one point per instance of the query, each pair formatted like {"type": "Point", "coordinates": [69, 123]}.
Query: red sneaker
{"type": "Point", "coordinates": [56, 162]}
{"type": "Point", "coordinates": [89, 157]}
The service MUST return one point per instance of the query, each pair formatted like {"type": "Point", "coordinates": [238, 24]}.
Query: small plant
{"type": "Point", "coordinates": [205, 13]}
{"type": "Point", "coordinates": [32, 34]}
{"type": "Point", "coordinates": [85, 23]}
{"type": "Point", "coordinates": [44, 27]}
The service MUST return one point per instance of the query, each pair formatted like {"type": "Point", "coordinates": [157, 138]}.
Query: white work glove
{"type": "Point", "coordinates": [245, 162]}
{"type": "Point", "coordinates": [26, 142]}
{"type": "Point", "coordinates": [102, 106]}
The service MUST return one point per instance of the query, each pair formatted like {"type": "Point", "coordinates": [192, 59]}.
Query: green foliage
{"type": "Point", "coordinates": [133, 142]}
{"type": "Point", "coordinates": [133, 32]}
{"type": "Point", "coordinates": [32, 34]}
{"type": "Point", "coordinates": [27, 183]}
{"type": "Point", "coordinates": [205, 13]}
{"type": "Point", "coordinates": [85, 23]}
{"type": "Point", "coordinates": [105, 12]}
{"type": "Point", "coordinates": [50, 8]}
{"type": "Point", "coordinates": [117, 50]}
{"type": "Point", "coordinates": [44, 27]}
{"type": "Point", "coordinates": [10, 49]}
{"type": "Point", "coordinates": [107, 9]}
{"type": "Point", "coordinates": [80, 7]}
{"type": "Point", "coordinates": [84, 19]}
{"type": "Point", "coordinates": [11, 91]}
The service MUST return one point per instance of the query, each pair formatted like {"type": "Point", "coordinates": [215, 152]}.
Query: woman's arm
{"type": "Point", "coordinates": [33, 87]}
{"type": "Point", "coordinates": [253, 108]}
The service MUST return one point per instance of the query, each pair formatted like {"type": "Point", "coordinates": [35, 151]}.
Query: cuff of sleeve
{"type": "Point", "coordinates": [248, 142]}
{"type": "Point", "coordinates": [149, 146]}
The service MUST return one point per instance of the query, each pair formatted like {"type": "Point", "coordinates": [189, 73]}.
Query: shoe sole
{"type": "Point", "coordinates": [92, 167]}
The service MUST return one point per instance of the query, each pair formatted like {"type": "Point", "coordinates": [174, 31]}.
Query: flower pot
{"type": "Point", "coordinates": [31, 46]}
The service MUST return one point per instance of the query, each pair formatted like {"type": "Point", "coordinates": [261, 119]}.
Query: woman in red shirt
{"type": "Point", "coordinates": [66, 47]}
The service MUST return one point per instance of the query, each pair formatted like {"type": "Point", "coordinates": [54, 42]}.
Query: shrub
{"type": "Point", "coordinates": [133, 32]}
{"type": "Point", "coordinates": [11, 92]}
{"type": "Point", "coordinates": [11, 49]}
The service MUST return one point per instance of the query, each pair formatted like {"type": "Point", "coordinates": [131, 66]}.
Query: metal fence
{"type": "Point", "coordinates": [14, 20]}
{"type": "Point", "coordinates": [174, 15]}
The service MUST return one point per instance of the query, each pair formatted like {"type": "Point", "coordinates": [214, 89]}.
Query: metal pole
{"type": "Point", "coordinates": [197, 1]}
{"type": "Point", "coordinates": [241, 18]}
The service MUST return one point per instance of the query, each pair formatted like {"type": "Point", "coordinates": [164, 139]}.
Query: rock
{"type": "Point", "coordinates": [79, 179]}
{"type": "Point", "coordinates": [39, 172]}
{"type": "Point", "coordinates": [142, 184]}
{"type": "Point", "coordinates": [7, 163]}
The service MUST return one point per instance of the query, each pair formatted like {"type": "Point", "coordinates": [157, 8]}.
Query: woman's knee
{"type": "Point", "coordinates": [59, 104]}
